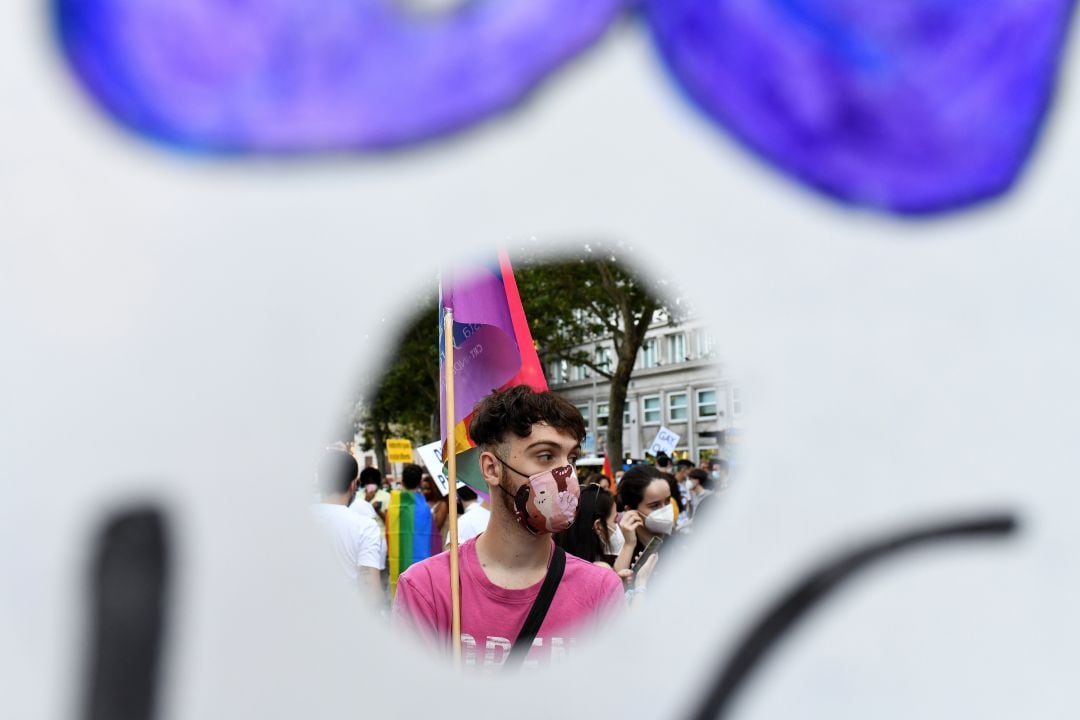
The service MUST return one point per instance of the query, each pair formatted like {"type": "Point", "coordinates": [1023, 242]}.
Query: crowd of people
{"type": "Point", "coordinates": [541, 543]}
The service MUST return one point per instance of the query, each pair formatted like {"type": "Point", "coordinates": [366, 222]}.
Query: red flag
{"type": "Point", "coordinates": [493, 350]}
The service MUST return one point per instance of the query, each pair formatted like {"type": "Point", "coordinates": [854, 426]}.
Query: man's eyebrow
{"type": "Point", "coordinates": [549, 443]}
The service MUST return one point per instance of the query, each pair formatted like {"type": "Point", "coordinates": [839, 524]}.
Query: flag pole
{"type": "Point", "coordinates": [455, 579]}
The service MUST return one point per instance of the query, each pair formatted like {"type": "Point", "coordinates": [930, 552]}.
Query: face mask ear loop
{"type": "Point", "coordinates": [504, 463]}
{"type": "Point", "coordinates": [510, 467]}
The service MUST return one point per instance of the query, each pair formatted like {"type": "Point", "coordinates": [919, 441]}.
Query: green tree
{"type": "Point", "coordinates": [404, 400]}
{"type": "Point", "coordinates": [575, 304]}
{"type": "Point", "coordinates": [572, 305]}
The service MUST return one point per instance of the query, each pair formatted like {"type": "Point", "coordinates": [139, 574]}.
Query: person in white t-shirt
{"type": "Point", "coordinates": [366, 491]}
{"type": "Point", "coordinates": [475, 518]}
{"type": "Point", "coordinates": [356, 539]}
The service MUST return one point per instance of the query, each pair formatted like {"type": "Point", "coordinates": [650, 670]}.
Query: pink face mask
{"type": "Point", "coordinates": [548, 502]}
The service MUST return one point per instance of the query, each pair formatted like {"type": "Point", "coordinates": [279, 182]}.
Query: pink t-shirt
{"type": "Point", "coordinates": [492, 616]}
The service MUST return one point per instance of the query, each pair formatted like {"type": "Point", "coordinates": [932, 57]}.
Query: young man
{"type": "Point", "coordinates": [682, 471]}
{"type": "Point", "coordinates": [411, 532]}
{"type": "Point", "coordinates": [680, 492]}
{"type": "Point", "coordinates": [365, 492]}
{"type": "Point", "coordinates": [356, 540]}
{"type": "Point", "coordinates": [718, 471]}
{"type": "Point", "coordinates": [529, 442]}
{"type": "Point", "coordinates": [701, 487]}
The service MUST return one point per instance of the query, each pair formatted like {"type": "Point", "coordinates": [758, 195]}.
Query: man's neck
{"type": "Point", "coordinates": [511, 557]}
{"type": "Point", "coordinates": [339, 499]}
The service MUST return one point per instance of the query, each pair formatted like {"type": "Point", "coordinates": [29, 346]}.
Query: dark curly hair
{"type": "Point", "coordinates": [702, 477]}
{"type": "Point", "coordinates": [580, 539]}
{"type": "Point", "coordinates": [370, 476]}
{"type": "Point", "coordinates": [517, 409]}
{"type": "Point", "coordinates": [632, 486]}
{"type": "Point", "coordinates": [336, 471]}
{"type": "Point", "coordinates": [411, 475]}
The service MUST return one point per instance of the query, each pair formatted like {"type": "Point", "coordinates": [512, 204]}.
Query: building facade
{"type": "Point", "coordinates": [678, 382]}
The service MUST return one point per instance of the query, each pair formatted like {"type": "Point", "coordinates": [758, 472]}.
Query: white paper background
{"type": "Point", "coordinates": [184, 330]}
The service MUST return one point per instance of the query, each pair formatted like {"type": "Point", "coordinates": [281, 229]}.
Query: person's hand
{"type": "Point", "coordinates": [641, 580]}
{"type": "Point", "coordinates": [625, 575]}
{"type": "Point", "coordinates": [629, 524]}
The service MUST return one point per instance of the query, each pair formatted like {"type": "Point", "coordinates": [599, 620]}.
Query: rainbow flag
{"type": "Point", "coordinates": [493, 350]}
{"type": "Point", "coordinates": [411, 534]}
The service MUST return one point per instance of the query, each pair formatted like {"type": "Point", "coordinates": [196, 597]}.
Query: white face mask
{"type": "Point", "coordinates": [661, 520]}
{"type": "Point", "coordinates": [615, 541]}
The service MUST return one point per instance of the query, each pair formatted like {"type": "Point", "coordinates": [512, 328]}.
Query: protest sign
{"type": "Point", "coordinates": [399, 450]}
{"type": "Point", "coordinates": [664, 442]}
{"type": "Point", "coordinates": [432, 457]}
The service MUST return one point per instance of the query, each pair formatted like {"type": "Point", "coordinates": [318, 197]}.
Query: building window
{"type": "Point", "coordinates": [626, 414]}
{"type": "Point", "coordinates": [557, 371]}
{"type": "Point", "coordinates": [705, 344]}
{"type": "Point", "coordinates": [579, 372]}
{"type": "Point", "coordinates": [603, 359]}
{"type": "Point", "coordinates": [676, 348]}
{"type": "Point", "coordinates": [678, 407]}
{"type": "Point", "coordinates": [736, 402]}
{"type": "Point", "coordinates": [584, 410]}
{"type": "Point", "coordinates": [650, 410]}
{"type": "Point", "coordinates": [601, 415]}
{"type": "Point", "coordinates": [649, 357]}
{"type": "Point", "coordinates": [706, 404]}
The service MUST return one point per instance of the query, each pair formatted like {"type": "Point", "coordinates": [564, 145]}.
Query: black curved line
{"type": "Point", "coordinates": [128, 585]}
{"type": "Point", "coordinates": [815, 586]}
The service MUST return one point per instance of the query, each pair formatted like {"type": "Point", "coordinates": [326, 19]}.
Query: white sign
{"type": "Point", "coordinates": [664, 442]}
{"type": "Point", "coordinates": [431, 454]}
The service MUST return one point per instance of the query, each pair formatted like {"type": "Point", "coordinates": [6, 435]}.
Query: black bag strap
{"type": "Point", "coordinates": [538, 611]}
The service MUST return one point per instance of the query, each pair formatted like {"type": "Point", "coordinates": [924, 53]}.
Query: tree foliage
{"type": "Point", "coordinates": [404, 400]}
{"type": "Point", "coordinates": [573, 307]}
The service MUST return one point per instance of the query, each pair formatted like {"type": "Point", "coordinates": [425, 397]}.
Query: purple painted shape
{"type": "Point", "coordinates": [486, 354]}
{"type": "Point", "coordinates": [272, 76]}
{"type": "Point", "coordinates": [916, 106]}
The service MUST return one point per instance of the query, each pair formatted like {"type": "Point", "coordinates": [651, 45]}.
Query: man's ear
{"type": "Point", "coordinates": [491, 468]}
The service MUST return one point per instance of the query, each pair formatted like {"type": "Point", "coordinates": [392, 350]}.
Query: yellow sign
{"type": "Point", "coordinates": [399, 450]}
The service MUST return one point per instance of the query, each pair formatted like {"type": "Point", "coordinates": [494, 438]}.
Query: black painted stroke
{"type": "Point", "coordinates": [817, 585]}
{"type": "Point", "coordinates": [128, 587]}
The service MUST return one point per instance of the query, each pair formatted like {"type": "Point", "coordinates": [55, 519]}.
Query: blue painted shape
{"type": "Point", "coordinates": [914, 107]}
{"type": "Point", "coordinates": [287, 76]}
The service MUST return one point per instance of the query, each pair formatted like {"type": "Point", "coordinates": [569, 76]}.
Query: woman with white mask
{"type": "Point", "coordinates": [599, 537]}
{"type": "Point", "coordinates": [595, 536]}
{"type": "Point", "coordinates": [645, 493]}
